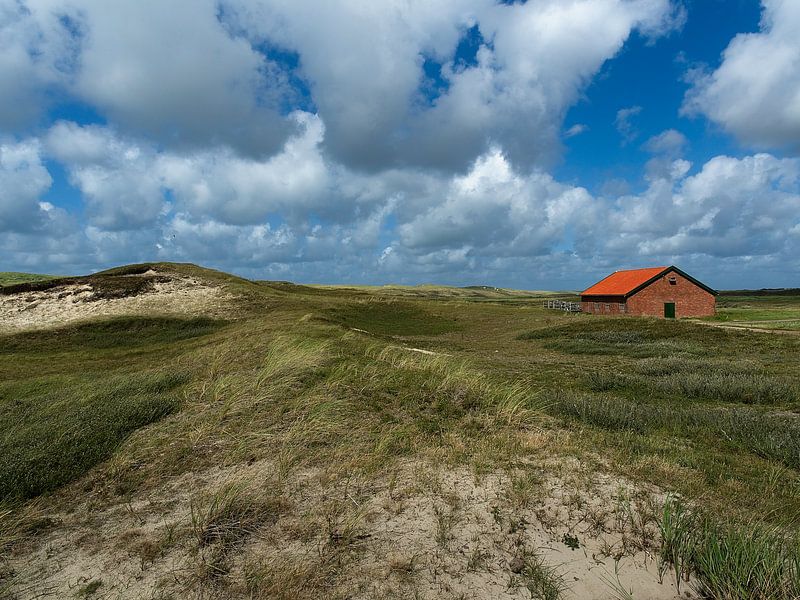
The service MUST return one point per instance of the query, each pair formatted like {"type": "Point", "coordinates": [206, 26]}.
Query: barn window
{"type": "Point", "coordinates": [608, 308]}
{"type": "Point", "coordinates": [673, 280]}
{"type": "Point", "coordinates": [622, 307]}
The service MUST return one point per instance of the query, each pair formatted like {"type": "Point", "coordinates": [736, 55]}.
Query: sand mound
{"type": "Point", "coordinates": [64, 301]}
{"type": "Point", "coordinates": [426, 533]}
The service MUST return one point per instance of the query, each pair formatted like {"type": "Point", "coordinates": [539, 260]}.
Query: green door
{"type": "Point", "coordinates": [669, 310]}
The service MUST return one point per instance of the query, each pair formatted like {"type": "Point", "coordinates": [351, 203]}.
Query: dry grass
{"type": "Point", "coordinates": [297, 443]}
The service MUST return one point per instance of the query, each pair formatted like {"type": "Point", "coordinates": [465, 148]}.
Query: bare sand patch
{"type": "Point", "coordinates": [418, 532]}
{"type": "Point", "coordinates": [158, 294]}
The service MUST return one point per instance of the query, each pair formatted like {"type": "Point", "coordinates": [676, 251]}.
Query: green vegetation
{"type": "Point", "coordinates": [63, 410]}
{"type": "Point", "coordinates": [729, 560]}
{"type": "Point", "coordinates": [11, 278]}
{"type": "Point", "coordinates": [542, 580]}
{"type": "Point", "coordinates": [316, 397]}
{"type": "Point", "coordinates": [764, 309]}
{"type": "Point", "coordinates": [119, 333]}
{"type": "Point", "coordinates": [393, 318]}
{"type": "Point", "coordinates": [60, 428]}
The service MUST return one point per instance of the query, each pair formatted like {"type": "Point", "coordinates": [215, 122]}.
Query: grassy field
{"type": "Point", "coordinates": [10, 278]}
{"type": "Point", "coordinates": [759, 309]}
{"type": "Point", "coordinates": [313, 413]}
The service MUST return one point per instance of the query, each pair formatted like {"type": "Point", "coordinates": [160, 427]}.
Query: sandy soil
{"type": "Point", "coordinates": [170, 294]}
{"type": "Point", "coordinates": [424, 532]}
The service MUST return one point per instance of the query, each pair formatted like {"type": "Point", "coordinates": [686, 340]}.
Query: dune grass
{"type": "Point", "coordinates": [61, 419]}
{"type": "Point", "coordinates": [774, 437]}
{"type": "Point", "coordinates": [393, 317]}
{"type": "Point", "coordinates": [120, 406]}
{"type": "Point", "coordinates": [54, 434]}
{"type": "Point", "coordinates": [748, 561]}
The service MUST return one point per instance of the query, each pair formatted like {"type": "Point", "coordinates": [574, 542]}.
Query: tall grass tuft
{"type": "Point", "coordinates": [233, 513]}
{"type": "Point", "coordinates": [729, 561]}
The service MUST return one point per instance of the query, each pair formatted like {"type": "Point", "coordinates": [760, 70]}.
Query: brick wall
{"type": "Point", "coordinates": [690, 300]}
{"type": "Point", "coordinates": [604, 306]}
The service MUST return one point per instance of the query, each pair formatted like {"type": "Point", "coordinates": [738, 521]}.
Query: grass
{"type": "Point", "coordinates": [64, 410]}
{"type": "Point", "coordinates": [106, 334]}
{"type": "Point", "coordinates": [54, 434]}
{"type": "Point", "coordinates": [775, 437]}
{"type": "Point", "coordinates": [748, 561]}
{"type": "Point", "coordinates": [315, 387]}
{"type": "Point", "coordinates": [393, 318]}
{"type": "Point", "coordinates": [230, 515]}
{"type": "Point", "coordinates": [542, 580]}
{"type": "Point", "coordinates": [777, 309]}
{"type": "Point", "coordinates": [690, 378]}
{"type": "Point", "coordinates": [12, 278]}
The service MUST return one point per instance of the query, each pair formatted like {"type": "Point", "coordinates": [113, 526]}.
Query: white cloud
{"type": "Point", "coordinates": [169, 70]}
{"type": "Point", "coordinates": [666, 147]}
{"type": "Point", "coordinates": [576, 129]}
{"type": "Point", "coordinates": [755, 92]}
{"type": "Point", "coordinates": [297, 215]}
{"type": "Point", "coordinates": [732, 207]}
{"type": "Point", "coordinates": [364, 63]}
{"type": "Point", "coordinates": [202, 160]}
{"type": "Point", "coordinates": [494, 211]}
{"type": "Point", "coordinates": [203, 73]}
{"type": "Point", "coordinates": [23, 180]}
{"type": "Point", "coordinates": [243, 191]}
{"type": "Point", "coordinates": [670, 143]}
{"type": "Point", "coordinates": [120, 187]}
{"type": "Point", "coordinates": [36, 53]}
{"type": "Point", "coordinates": [624, 123]}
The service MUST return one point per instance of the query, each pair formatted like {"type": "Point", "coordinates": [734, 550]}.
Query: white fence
{"type": "Point", "coordinates": [561, 305]}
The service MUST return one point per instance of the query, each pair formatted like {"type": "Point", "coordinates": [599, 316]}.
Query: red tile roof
{"type": "Point", "coordinates": [620, 283]}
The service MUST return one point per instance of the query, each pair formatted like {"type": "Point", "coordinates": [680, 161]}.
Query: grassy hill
{"type": "Point", "coordinates": [426, 442]}
{"type": "Point", "coordinates": [11, 278]}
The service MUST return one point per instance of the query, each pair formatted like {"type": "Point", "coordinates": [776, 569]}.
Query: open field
{"type": "Point", "coordinates": [7, 278]}
{"type": "Point", "coordinates": [286, 441]}
{"type": "Point", "coordinates": [778, 309]}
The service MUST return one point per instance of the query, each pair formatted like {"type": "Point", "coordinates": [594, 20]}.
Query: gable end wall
{"type": "Point", "coordinates": [690, 300]}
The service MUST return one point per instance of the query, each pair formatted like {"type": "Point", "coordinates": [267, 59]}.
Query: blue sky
{"type": "Point", "coordinates": [534, 145]}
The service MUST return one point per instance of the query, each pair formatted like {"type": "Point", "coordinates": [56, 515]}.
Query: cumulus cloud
{"type": "Point", "coordinates": [670, 142]}
{"type": "Point", "coordinates": [208, 73]}
{"type": "Point", "coordinates": [172, 71]}
{"type": "Point", "coordinates": [23, 179]}
{"type": "Point", "coordinates": [731, 207]}
{"type": "Point", "coordinates": [120, 189]}
{"type": "Point", "coordinates": [241, 190]}
{"type": "Point", "coordinates": [755, 92]}
{"type": "Point", "coordinates": [494, 211]}
{"type": "Point", "coordinates": [666, 147]}
{"type": "Point", "coordinates": [365, 67]}
{"type": "Point", "coordinates": [347, 141]}
{"type": "Point", "coordinates": [36, 53]}
{"type": "Point", "coordinates": [33, 232]}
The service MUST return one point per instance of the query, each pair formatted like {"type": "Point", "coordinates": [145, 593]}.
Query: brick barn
{"type": "Point", "coordinates": [665, 292]}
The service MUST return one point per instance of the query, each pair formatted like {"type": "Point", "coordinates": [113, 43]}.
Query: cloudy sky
{"type": "Point", "coordinates": [534, 145]}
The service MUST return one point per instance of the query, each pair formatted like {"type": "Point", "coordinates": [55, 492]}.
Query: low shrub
{"type": "Point", "coordinates": [770, 436]}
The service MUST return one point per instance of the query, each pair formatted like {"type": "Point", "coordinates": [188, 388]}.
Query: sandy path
{"type": "Point", "coordinates": [748, 328]}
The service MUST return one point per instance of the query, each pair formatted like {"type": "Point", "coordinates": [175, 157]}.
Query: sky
{"type": "Point", "coordinates": [535, 145]}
